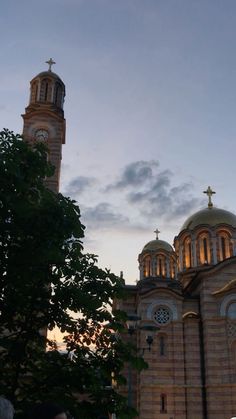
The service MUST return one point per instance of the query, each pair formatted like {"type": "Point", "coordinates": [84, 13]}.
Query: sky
{"type": "Point", "coordinates": [149, 107]}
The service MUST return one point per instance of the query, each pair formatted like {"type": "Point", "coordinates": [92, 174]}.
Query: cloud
{"type": "Point", "coordinates": [143, 195]}
{"type": "Point", "coordinates": [135, 174]}
{"type": "Point", "coordinates": [162, 200]}
{"type": "Point", "coordinates": [103, 215]}
{"type": "Point", "coordinates": [156, 188]}
{"type": "Point", "coordinates": [150, 192]}
{"type": "Point", "coordinates": [79, 184]}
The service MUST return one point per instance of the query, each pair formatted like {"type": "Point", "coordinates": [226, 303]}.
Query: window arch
{"type": "Point", "coordinates": [163, 403]}
{"type": "Point", "coordinates": [34, 92]}
{"type": "Point", "coordinates": [224, 244]}
{"type": "Point", "coordinates": [147, 267]}
{"type": "Point", "coordinates": [172, 267]}
{"type": "Point", "coordinates": [162, 343]}
{"type": "Point", "coordinates": [161, 266]}
{"type": "Point", "coordinates": [204, 248]}
{"type": "Point", "coordinates": [45, 90]}
{"type": "Point", "coordinates": [188, 252]}
{"type": "Point", "coordinates": [58, 95]}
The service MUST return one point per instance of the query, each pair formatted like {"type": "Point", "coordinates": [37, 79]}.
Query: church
{"type": "Point", "coordinates": [182, 318]}
{"type": "Point", "coordinates": [182, 311]}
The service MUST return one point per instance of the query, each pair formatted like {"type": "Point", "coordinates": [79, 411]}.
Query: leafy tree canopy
{"type": "Point", "coordinates": [47, 280]}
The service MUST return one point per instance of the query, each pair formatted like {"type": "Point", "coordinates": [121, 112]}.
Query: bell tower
{"type": "Point", "coordinates": [44, 118]}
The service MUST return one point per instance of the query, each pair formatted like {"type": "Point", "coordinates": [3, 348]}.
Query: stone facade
{"type": "Point", "coordinates": [192, 360]}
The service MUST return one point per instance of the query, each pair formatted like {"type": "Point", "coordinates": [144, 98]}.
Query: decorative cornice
{"type": "Point", "coordinates": [228, 287]}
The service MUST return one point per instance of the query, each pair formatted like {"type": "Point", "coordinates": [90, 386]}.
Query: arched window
{"type": "Point", "coordinates": [161, 266]}
{"type": "Point", "coordinates": [45, 90]}
{"type": "Point", "coordinates": [188, 252]}
{"type": "Point", "coordinates": [58, 95]}
{"type": "Point", "coordinates": [204, 249]}
{"type": "Point", "coordinates": [163, 403]}
{"type": "Point", "coordinates": [147, 267]}
{"type": "Point", "coordinates": [172, 268]}
{"type": "Point", "coordinates": [224, 246]}
{"type": "Point", "coordinates": [34, 92]}
{"type": "Point", "coordinates": [162, 345]}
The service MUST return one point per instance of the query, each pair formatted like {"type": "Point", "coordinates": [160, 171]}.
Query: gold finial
{"type": "Point", "coordinates": [209, 193]}
{"type": "Point", "coordinates": [157, 232]}
{"type": "Point", "coordinates": [50, 62]}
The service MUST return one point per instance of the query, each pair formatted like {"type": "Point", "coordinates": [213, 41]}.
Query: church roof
{"type": "Point", "coordinates": [210, 216]}
{"type": "Point", "coordinates": [157, 244]}
{"type": "Point", "coordinates": [49, 74]}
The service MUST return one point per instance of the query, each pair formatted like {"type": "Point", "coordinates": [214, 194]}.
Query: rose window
{"type": "Point", "coordinates": [162, 315]}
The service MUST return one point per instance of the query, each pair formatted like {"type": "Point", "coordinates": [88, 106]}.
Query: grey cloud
{"type": "Point", "coordinates": [79, 184]}
{"type": "Point", "coordinates": [156, 188]}
{"type": "Point", "coordinates": [135, 174]}
{"type": "Point", "coordinates": [186, 207]}
{"type": "Point", "coordinates": [143, 191]}
{"type": "Point", "coordinates": [103, 215]}
{"type": "Point", "coordinates": [162, 200]}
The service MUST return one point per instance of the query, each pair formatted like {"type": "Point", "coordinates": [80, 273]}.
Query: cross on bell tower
{"type": "Point", "coordinates": [50, 62]}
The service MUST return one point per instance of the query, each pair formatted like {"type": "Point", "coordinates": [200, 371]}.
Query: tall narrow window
{"type": "Point", "coordinates": [36, 93]}
{"type": "Point", "coordinates": [223, 247]}
{"type": "Point", "coordinates": [172, 268]}
{"type": "Point", "coordinates": [225, 250]}
{"type": "Point", "coordinates": [58, 95]}
{"type": "Point", "coordinates": [205, 249]}
{"type": "Point", "coordinates": [163, 403]}
{"type": "Point", "coordinates": [188, 252]}
{"type": "Point", "coordinates": [162, 345]}
{"type": "Point", "coordinates": [46, 92]}
{"type": "Point", "coordinates": [147, 267]}
{"type": "Point", "coordinates": [160, 267]}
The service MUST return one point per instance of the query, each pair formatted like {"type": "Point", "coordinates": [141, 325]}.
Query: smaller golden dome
{"type": "Point", "coordinates": [155, 245]}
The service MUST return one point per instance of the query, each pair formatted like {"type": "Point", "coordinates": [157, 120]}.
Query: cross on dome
{"type": "Point", "coordinates": [157, 232]}
{"type": "Point", "coordinates": [50, 62]}
{"type": "Point", "coordinates": [209, 193]}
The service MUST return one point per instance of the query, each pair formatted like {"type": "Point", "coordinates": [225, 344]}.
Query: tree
{"type": "Point", "coordinates": [47, 280]}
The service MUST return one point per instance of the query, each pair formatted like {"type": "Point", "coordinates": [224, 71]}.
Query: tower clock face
{"type": "Point", "coordinates": [41, 135]}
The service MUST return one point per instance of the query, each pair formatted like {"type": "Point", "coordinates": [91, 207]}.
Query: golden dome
{"type": "Point", "coordinates": [155, 245]}
{"type": "Point", "coordinates": [210, 216]}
